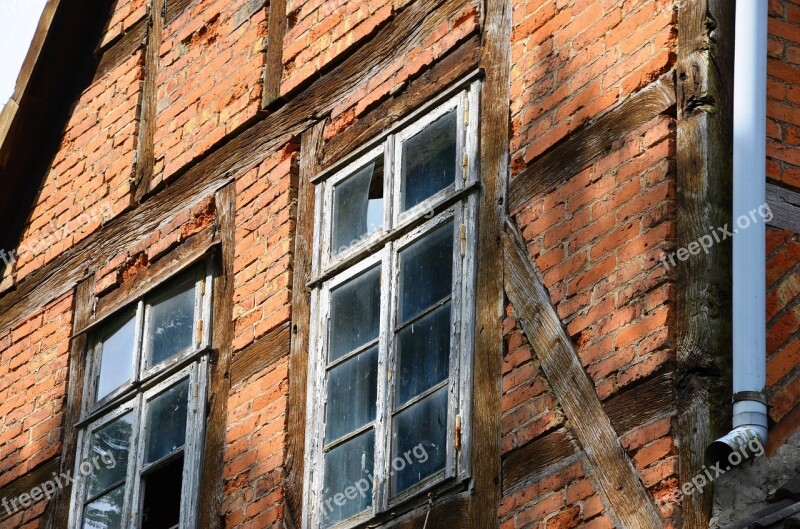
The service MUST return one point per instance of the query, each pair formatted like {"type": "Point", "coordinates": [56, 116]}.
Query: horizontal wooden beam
{"type": "Point", "coordinates": [785, 206]}
{"type": "Point", "coordinates": [527, 463]}
{"type": "Point", "coordinates": [617, 479]}
{"type": "Point", "coordinates": [645, 402]}
{"type": "Point", "coordinates": [121, 48]}
{"type": "Point", "coordinates": [261, 354]}
{"type": "Point", "coordinates": [28, 481]}
{"type": "Point", "coordinates": [590, 141]}
{"type": "Point", "coordinates": [243, 151]}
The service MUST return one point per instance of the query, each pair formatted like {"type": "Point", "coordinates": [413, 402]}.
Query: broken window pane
{"type": "Point", "coordinates": [352, 394]}
{"type": "Point", "coordinates": [116, 357]}
{"type": "Point", "coordinates": [166, 422]}
{"type": "Point", "coordinates": [426, 272]}
{"type": "Point", "coordinates": [161, 508]}
{"type": "Point", "coordinates": [423, 354]}
{"type": "Point", "coordinates": [358, 206]}
{"type": "Point", "coordinates": [106, 511]}
{"type": "Point", "coordinates": [429, 161]}
{"type": "Point", "coordinates": [108, 454]}
{"type": "Point", "coordinates": [419, 444]}
{"type": "Point", "coordinates": [171, 326]}
{"type": "Point", "coordinates": [355, 313]}
{"type": "Point", "coordinates": [348, 479]}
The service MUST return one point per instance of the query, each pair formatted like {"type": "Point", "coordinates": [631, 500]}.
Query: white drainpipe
{"type": "Point", "coordinates": [749, 244]}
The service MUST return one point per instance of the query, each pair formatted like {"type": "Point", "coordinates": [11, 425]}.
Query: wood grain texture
{"type": "Point", "coordinates": [493, 140]}
{"type": "Point", "coordinates": [273, 67]}
{"type": "Point", "coordinates": [406, 32]}
{"type": "Point", "coordinates": [34, 478]}
{"type": "Point", "coordinates": [311, 143]}
{"type": "Point", "coordinates": [645, 402]}
{"type": "Point", "coordinates": [211, 484]}
{"type": "Point", "coordinates": [590, 141]}
{"type": "Point", "coordinates": [785, 206]}
{"type": "Point", "coordinates": [528, 463]}
{"type": "Point", "coordinates": [56, 514]}
{"type": "Point", "coordinates": [617, 479]}
{"type": "Point", "coordinates": [122, 48]}
{"type": "Point", "coordinates": [702, 326]}
{"type": "Point", "coordinates": [261, 354]}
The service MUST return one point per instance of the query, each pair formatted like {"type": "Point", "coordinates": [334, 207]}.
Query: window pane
{"type": "Point", "coordinates": [423, 354]}
{"type": "Point", "coordinates": [116, 359]}
{"type": "Point", "coordinates": [429, 161]}
{"type": "Point", "coordinates": [358, 206]}
{"type": "Point", "coordinates": [166, 422]}
{"type": "Point", "coordinates": [352, 394]}
{"type": "Point", "coordinates": [348, 479]}
{"type": "Point", "coordinates": [419, 444]}
{"type": "Point", "coordinates": [171, 326]}
{"type": "Point", "coordinates": [355, 313]}
{"type": "Point", "coordinates": [105, 512]}
{"type": "Point", "coordinates": [161, 508]}
{"type": "Point", "coordinates": [426, 272]}
{"type": "Point", "coordinates": [108, 454]}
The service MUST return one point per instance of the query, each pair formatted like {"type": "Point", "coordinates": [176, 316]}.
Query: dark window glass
{"type": "Point", "coordinates": [171, 326]}
{"type": "Point", "coordinates": [426, 272]}
{"type": "Point", "coordinates": [429, 161]}
{"type": "Point", "coordinates": [166, 422]}
{"type": "Point", "coordinates": [161, 508]}
{"type": "Point", "coordinates": [423, 354]}
{"type": "Point", "coordinates": [355, 313]}
{"type": "Point", "coordinates": [352, 394]}
{"type": "Point", "coordinates": [348, 485]}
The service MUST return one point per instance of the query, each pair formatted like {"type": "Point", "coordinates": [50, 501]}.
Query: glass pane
{"type": "Point", "coordinates": [419, 445]}
{"type": "Point", "coordinates": [166, 422]}
{"type": "Point", "coordinates": [170, 326]}
{"type": "Point", "coordinates": [426, 272]}
{"type": "Point", "coordinates": [429, 161]}
{"type": "Point", "coordinates": [161, 508]}
{"type": "Point", "coordinates": [358, 206]}
{"type": "Point", "coordinates": [108, 454]}
{"type": "Point", "coordinates": [348, 479]}
{"type": "Point", "coordinates": [105, 512]}
{"type": "Point", "coordinates": [352, 394]}
{"type": "Point", "coordinates": [355, 313]}
{"type": "Point", "coordinates": [116, 359]}
{"type": "Point", "coordinates": [423, 354]}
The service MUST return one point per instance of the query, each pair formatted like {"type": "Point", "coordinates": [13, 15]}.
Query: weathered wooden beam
{"type": "Point", "coordinates": [530, 461]}
{"type": "Point", "coordinates": [406, 32]}
{"type": "Point", "coordinates": [702, 325]}
{"type": "Point", "coordinates": [645, 402]}
{"type": "Point", "coordinates": [616, 477]}
{"type": "Point", "coordinates": [273, 67]}
{"type": "Point", "coordinates": [122, 48]}
{"type": "Point", "coordinates": [29, 480]}
{"type": "Point", "coordinates": [495, 117]}
{"type": "Point", "coordinates": [452, 513]}
{"type": "Point", "coordinates": [175, 8]}
{"type": "Point", "coordinates": [211, 485]}
{"type": "Point", "coordinates": [785, 206]}
{"type": "Point", "coordinates": [310, 156]}
{"type": "Point", "coordinates": [590, 141]}
{"type": "Point", "coordinates": [261, 354]}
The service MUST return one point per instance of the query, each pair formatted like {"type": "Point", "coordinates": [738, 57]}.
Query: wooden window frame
{"type": "Point", "coordinates": [146, 383]}
{"type": "Point", "coordinates": [458, 203]}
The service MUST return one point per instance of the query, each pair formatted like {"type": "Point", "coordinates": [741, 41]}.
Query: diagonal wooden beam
{"type": "Point", "coordinates": [617, 479]}
{"type": "Point", "coordinates": [590, 141]}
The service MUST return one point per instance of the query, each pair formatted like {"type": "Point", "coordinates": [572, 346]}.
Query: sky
{"type": "Point", "coordinates": [18, 20]}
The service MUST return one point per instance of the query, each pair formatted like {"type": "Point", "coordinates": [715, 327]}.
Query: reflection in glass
{"type": "Point", "coordinates": [358, 206]}
{"type": "Point", "coordinates": [423, 354]}
{"type": "Point", "coordinates": [349, 464]}
{"type": "Point", "coordinates": [116, 358]}
{"type": "Point", "coordinates": [110, 447]}
{"type": "Point", "coordinates": [426, 272]}
{"type": "Point", "coordinates": [105, 512]}
{"type": "Point", "coordinates": [355, 313]}
{"type": "Point", "coordinates": [421, 427]}
{"type": "Point", "coordinates": [429, 161]}
{"type": "Point", "coordinates": [171, 326]}
{"type": "Point", "coordinates": [352, 394]}
{"type": "Point", "coordinates": [166, 422]}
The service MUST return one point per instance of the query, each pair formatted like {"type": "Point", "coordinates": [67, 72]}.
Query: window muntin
{"type": "Point", "coordinates": [147, 420]}
{"type": "Point", "coordinates": [389, 359]}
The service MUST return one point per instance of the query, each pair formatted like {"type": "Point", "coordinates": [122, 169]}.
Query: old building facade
{"type": "Point", "coordinates": [386, 263]}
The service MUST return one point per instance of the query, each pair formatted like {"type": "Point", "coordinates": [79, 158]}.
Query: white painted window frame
{"type": "Point", "coordinates": [145, 384]}
{"type": "Point", "coordinates": [382, 249]}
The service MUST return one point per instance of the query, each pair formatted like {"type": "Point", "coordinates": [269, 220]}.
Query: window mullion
{"type": "Point", "coordinates": [385, 374]}
{"type": "Point", "coordinates": [133, 483]}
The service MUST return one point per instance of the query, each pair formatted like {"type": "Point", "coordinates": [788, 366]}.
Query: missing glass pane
{"type": "Point", "coordinates": [428, 162]}
{"type": "Point", "coordinates": [166, 422]}
{"type": "Point", "coordinates": [171, 326]}
{"type": "Point", "coordinates": [161, 508]}
{"type": "Point", "coordinates": [116, 357]}
{"type": "Point", "coordinates": [358, 206]}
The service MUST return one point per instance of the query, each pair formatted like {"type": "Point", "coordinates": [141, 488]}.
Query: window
{"type": "Point", "coordinates": [139, 449]}
{"type": "Point", "coordinates": [392, 318]}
